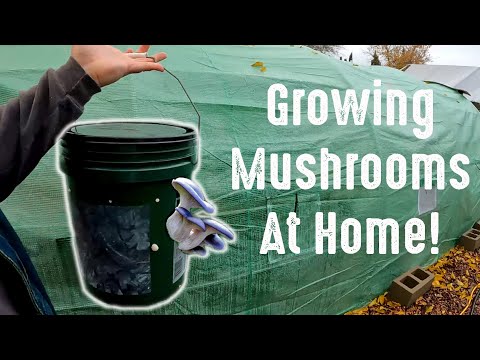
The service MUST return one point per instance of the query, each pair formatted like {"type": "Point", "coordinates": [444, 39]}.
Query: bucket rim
{"type": "Point", "coordinates": [87, 151]}
{"type": "Point", "coordinates": [78, 139]}
{"type": "Point", "coordinates": [71, 134]}
{"type": "Point", "coordinates": [85, 163]}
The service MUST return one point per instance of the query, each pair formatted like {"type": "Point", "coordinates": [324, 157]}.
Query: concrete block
{"type": "Point", "coordinates": [471, 239]}
{"type": "Point", "coordinates": [408, 287]}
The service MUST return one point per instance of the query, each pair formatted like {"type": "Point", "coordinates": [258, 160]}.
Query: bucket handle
{"type": "Point", "coordinates": [188, 96]}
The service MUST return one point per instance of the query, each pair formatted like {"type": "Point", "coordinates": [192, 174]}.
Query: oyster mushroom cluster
{"type": "Point", "coordinates": [195, 234]}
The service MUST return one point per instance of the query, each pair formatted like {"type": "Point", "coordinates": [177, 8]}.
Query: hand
{"type": "Point", "coordinates": [106, 64]}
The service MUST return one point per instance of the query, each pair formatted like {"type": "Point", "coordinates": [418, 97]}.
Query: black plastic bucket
{"type": "Point", "coordinates": [118, 176]}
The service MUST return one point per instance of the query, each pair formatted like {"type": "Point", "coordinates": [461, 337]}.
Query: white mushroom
{"type": "Point", "coordinates": [183, 226]}
{"type": "Point", "coordinates": [191, 196]}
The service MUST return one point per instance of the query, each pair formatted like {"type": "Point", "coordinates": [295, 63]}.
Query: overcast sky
{"type": "Point", "coordinates": [467, 55]}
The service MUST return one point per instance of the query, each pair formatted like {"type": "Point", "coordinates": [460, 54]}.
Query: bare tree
{"type": "Point", "coordinates": [399, 56]}
{"type": "Point", "coordinates": [327, 49]}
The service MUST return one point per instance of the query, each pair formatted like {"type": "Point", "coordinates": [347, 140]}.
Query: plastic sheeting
{"type": "Point", "coordinates": [463, 78]}
{"type": "Point", "coordinates": [232, 98]}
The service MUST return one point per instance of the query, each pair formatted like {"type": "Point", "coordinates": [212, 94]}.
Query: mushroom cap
{"type": "Point", "coordinates": [188, 215]}
{"type": "Point", "coordinates": [215, 242]}
{"type": "Point", "coordinates": [219, 227]}
{"type": "Point", "coordinates": [198, 250]}
{"type": "Point", "coordinates": [194, 191]}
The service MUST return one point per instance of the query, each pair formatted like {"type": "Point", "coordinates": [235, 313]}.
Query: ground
{"type": "Point", "coordinates": [457, 282]}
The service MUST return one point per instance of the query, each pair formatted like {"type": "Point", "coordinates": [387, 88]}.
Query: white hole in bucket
{"type": "Point", "coordinates": [110, 201]}
{"type": "Point", "coordinates": [154, 247]}
{"type": "Point", "coordinates": [157, 200]}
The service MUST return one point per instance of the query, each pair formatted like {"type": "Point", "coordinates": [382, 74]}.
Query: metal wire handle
{"type": "Point", "coordinates": [188, 96]}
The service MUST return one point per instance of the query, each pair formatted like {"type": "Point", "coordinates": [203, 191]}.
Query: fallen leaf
{"type": "Point", "coordinates": [393, 303]}
{"type": "Point", "coordinates": [455, 276]}
{"type": "Point", "coordinates": [258, 64]}
{"type": "Point", "coordinates": [263, 69]}
{"type": "Point", "coordinates": [361, 311]}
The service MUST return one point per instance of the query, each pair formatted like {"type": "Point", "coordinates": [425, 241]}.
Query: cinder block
{"type": "Point", "coordinates": [471, 239]}
{"type": "Point", "coordinates": [407, 288]}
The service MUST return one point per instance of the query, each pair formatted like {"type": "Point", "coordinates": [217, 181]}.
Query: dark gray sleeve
{"type": "Point", "coordinates": [30, 123]}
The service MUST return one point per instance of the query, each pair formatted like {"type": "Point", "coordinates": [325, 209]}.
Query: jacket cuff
{"type": "Point", "coordinates": [76, 82]}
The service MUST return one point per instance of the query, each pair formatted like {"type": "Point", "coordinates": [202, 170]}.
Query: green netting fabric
{"type": "Point", "coordinates": [232, 99]}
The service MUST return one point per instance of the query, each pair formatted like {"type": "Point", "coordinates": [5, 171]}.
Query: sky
{"type": "Point", "coordinates": [466, 55]}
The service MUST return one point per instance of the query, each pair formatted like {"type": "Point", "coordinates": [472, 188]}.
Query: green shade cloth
{"type": "Point", "coordinates": [231, 96]}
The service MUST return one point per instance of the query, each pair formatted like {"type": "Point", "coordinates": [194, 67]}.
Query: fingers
{"type": "Point", "coordinates": [147, 64]}
{"type": "Point", "coordinates": [140, 66]}
{"type": "Point", "coordinates": [143, 48]}
{"type": "Point", "coordinates": [157, 57]}
{"type": "Point", "coordinates": [160, 56]}
{"type": "Point", "coordinates": [143, 59]}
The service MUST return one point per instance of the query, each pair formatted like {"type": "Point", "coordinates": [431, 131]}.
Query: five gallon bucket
{"type": "Point", "coordinates": [118, 177]}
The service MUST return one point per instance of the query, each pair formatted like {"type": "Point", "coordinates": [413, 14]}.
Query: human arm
{"type": "Point", "coordinates": [30, 123]}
